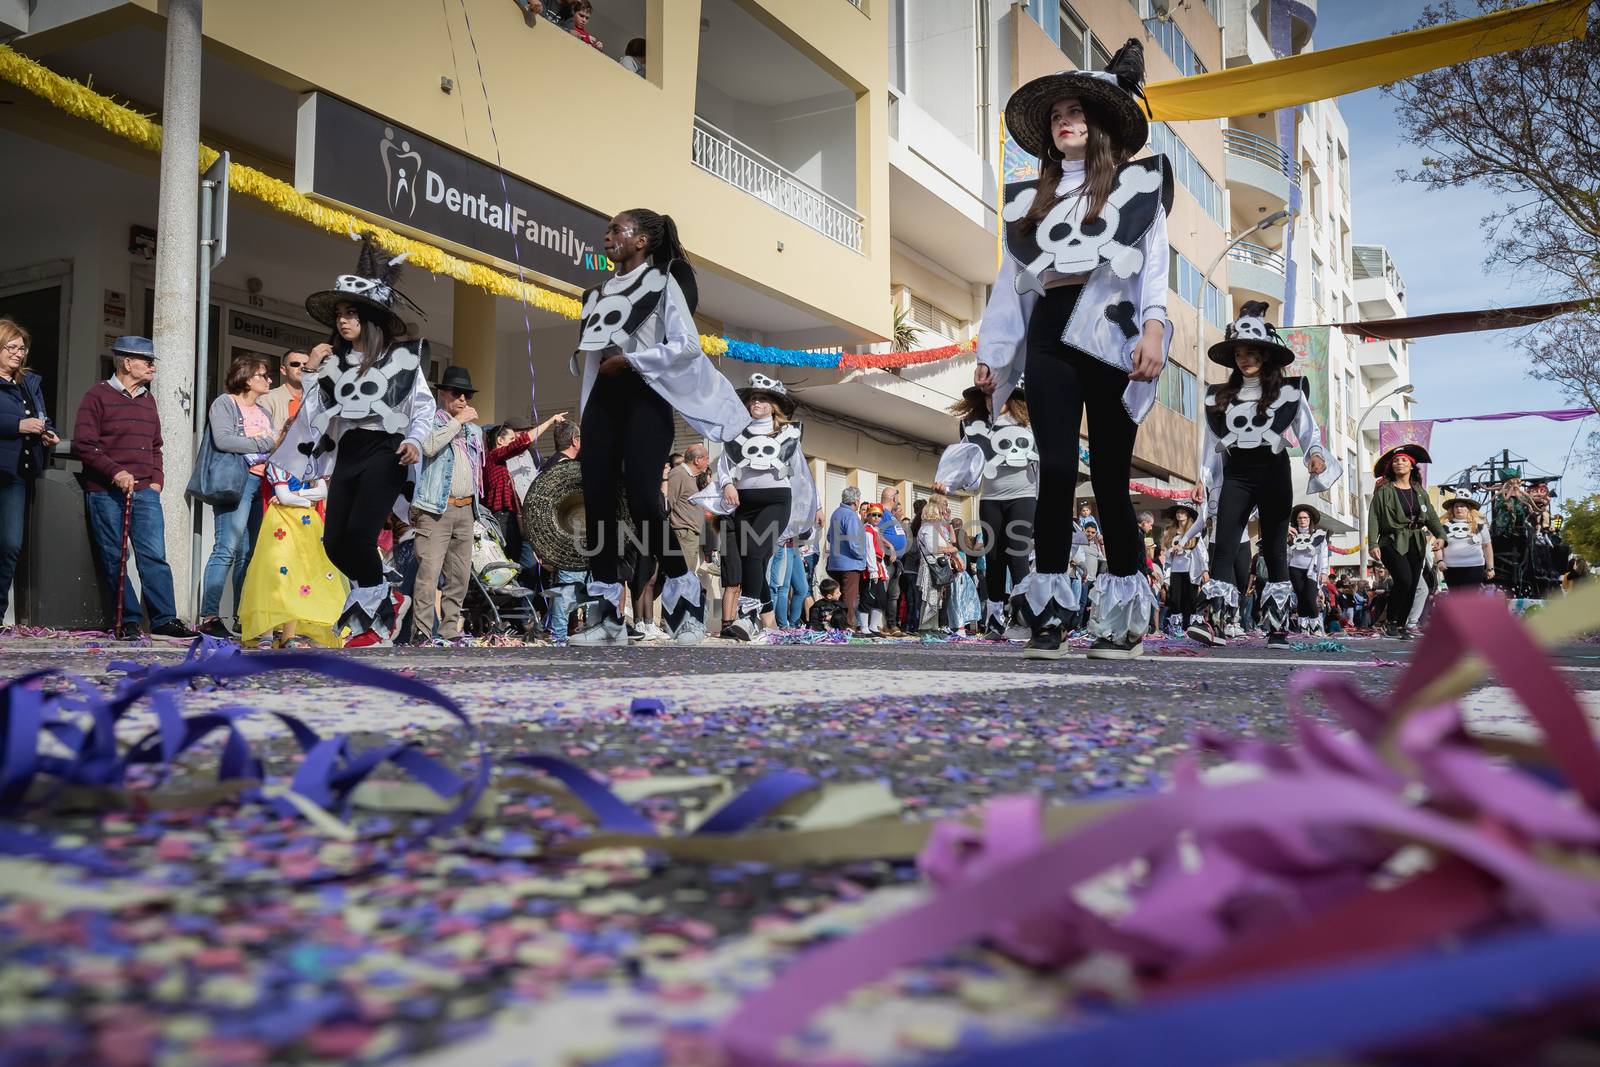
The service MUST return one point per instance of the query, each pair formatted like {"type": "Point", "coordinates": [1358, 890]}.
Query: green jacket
{"type": "Point", "coordinates": [1387, 525]}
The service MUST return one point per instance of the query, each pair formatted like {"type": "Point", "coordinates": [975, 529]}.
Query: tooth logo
{"type": "Point", "coordinates": [402, 168]}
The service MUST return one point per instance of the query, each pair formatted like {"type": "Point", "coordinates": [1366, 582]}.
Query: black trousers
{"type": "Point", "coordinates": [367, 479]}
{"type": "Point", "coordinates": [1182, 596]}
{"type": "Point", "coordinates": [1305, 592]}
{"type": "Point", "coordinates": [627, 436]}
{"type": "Point", "coordinates": [1406, 570]}
{"type": "Point", "coordinates": [749, 537]}
{"type": "Point", "coordinates": [1008, 524]}
{"type": "Point", "coordinates": [1464, 577]}
{"type": "Point", "coordinates": [1253, 478]}
{"type": "Point", "coordinates": [1063, 383]}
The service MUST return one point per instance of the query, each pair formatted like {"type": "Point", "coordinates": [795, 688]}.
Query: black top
{"type": "Point", "coordinates": [1408, 501]}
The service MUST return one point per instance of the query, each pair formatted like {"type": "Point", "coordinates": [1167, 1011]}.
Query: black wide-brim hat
{"type": "Point", "coordinates": [1226, 352]}
{"type": "Point", "coordinates": [1172, 512]}
{"type": "Point", "coordinates": [1294, 512]}
{"type": "Point", "coordinates": [977, 397]}
{"type": "Point", "coordinates": [1417, 453]}
{"type": "Point", "coordinates": [771, 388]}
{"type": "Point", "coordinates": [1107, 96]}
{"type": "Point", "coordinates": [371, 288]}
{"type": "Point", "coordinates": [1448, 505]}
{"type": "Point", "coordinates": [320, 306]}
{"type": "Point", "coordinates": [459, 380]}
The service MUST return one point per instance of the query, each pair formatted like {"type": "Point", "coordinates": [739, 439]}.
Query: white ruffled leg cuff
{"type": "Point", "coordinates": [1044, 600]}
{"type": "Point", "coordinates": [1215, 589]}
{"type": "Point", "coordinates": [1277, 599]}
{"type": "Point", "coordinates": [611, 591]}
{"type": "Point", "coordinates": [682, 605]}
{"type": "Point", "coordinates": [1121, 606]}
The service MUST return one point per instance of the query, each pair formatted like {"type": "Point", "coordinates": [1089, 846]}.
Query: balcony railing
{"type": "Point", "coordinates": [1253, 146]}
{"type": "Point", "coordinates": [743, 167]}
{"type": "Point", "coordinates": [1245, 252]}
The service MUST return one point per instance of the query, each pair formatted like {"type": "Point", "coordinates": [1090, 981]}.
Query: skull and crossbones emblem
{"type": "Point", "coordinates": [607, 316]}
{"type": "Point", "coordinates": [1303, 541]}
{"type": "Point", "coordinates": [765, 452]}
{"type": "Point", "coordinates": [1249, 427]}
{"type": "Point", "coordinates": [381, 391]}
{"type": "Point", "coordinates": [1070, 245]}
{"type": "Point", "coordinates": [1458, 529]}
{"type": "Point", "coordinates": [1003, 446]}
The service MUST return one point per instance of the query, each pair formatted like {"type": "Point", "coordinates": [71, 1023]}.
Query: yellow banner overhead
{"type": "Point", "coordinates": [1353, 67]}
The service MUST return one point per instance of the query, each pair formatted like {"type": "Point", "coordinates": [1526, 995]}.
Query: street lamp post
{"type": "Point", "coordinates": [1361, 466]}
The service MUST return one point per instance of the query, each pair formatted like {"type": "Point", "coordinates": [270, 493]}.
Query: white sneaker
{"type": "Point", "coordinates": [1233, 629]}
{"type": "Point", "coordinates": [652, 632]}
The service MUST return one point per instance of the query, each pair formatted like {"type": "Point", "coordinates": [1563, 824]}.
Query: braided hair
{"type": "Point", "coordinates": [665, 250]}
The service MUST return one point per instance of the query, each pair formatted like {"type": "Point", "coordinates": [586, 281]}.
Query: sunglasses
{"type": "Point", "coordinates": [295, 363]}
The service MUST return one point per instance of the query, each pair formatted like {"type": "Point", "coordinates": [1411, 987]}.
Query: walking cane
{"type": "Point", "coordinates": [122, 563]}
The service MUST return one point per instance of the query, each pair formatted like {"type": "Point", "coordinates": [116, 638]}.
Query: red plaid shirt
{"type": "Point", "coordinates": [499, 494]}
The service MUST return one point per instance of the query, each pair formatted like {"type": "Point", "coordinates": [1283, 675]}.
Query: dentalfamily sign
{"type": "Point", "coordinates": [373, 166]}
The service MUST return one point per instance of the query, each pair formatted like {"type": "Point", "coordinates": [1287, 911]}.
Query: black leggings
{"type": "Point", "coordinates": [1464, 577]}
{"type": "Point", "coordinates": [1305, 592]}
{"type": "Point", "coordinates": [1254, 478]}
{"type": "Point", "coordinates": [1406, 570]}
{"type": "Point", "coordinates": [1182, 596]}
{"type": "Point", "coordinates": [627, 435]}
{"type": "Point", "coordinates": [749, 536]}
{"type": "Point", "coordinates": [1008, 524]}
{"type": "Point", "coordinates": [1063, 383]}
{"type": "Point", "coordinates": [367, 479]}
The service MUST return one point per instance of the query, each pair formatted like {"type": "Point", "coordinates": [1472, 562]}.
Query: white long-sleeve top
{"type": "Point", "coordinates": [1313, 560]}
{"type": "Point", "coordinates": [793, 475]}
{"type": "Point", "coordinates": [1002, 343]}
{"type": "Point", "coordinates": [1463, 547]}
{"type": "Point", "coordinates": [1214, 454]}
{"type": "Point", "coordinates": [665, 351]}
{"type": "Point", "coordinates": [1187, 553]}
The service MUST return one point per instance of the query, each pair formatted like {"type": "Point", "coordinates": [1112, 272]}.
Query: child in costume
{"type": "Point", "coordinates": [292, 591]}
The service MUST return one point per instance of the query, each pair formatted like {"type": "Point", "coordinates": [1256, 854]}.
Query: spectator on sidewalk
{"type": "Point", "coordinates": [241, 434]}
{"type": "Point", "coordinates": [26, 435]}
{"type": "Point", "coordinates": [847, 551]}
{"type": "Point", "coordinates": [893, 528]}
{"type": "Point", "coordinates": [562, 587]}
{"type": "Point", "coordinates": [633, 56]}
{"type": "Point", "coordinates": [446, 507]}
{"type": "Point", "coordinates": [117, 435]}
{"type": "Point", "coordinates": [282, 403]}
{"type": "Point", "coordinates": [500, 496]}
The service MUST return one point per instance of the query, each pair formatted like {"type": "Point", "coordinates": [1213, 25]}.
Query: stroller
{"type": "Point", "coordinates": [495, 602]}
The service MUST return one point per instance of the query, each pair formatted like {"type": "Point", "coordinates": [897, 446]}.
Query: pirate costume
{"type": "Point", "coordinates": [647, 315]}
{"type": "Point", "coordinates": [1244, 464]}
{"type": "Point", "coordinates": [1398, 522]}
{"type": "Point", "coordinates": [1186, 563]}
{"type": "Point", "coordinates": [350, 425]}
{"type": "Point", "coordinates": [997, 456]}
{"type": "Point", "coordinates": [1468, 561]}
{"type": "Point", "coordinates": [777, 501]}
{"type": "Point", "coordinates": [1075, 343]}
{"type": "Point", "coordinates": [1308, 566]}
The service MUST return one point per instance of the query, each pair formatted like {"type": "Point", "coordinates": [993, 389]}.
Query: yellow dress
{"type": "Point", "coordinates": [290, 579]}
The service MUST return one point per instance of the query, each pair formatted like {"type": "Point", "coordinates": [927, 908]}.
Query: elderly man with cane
{"type": "Point", "coordinates": [117, 435]}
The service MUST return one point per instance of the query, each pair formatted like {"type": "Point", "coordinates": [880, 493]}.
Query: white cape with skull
{"type": "Point", "coordinates": [393, 394]}
{"type": "Point", "coordinates": [986, 451]}
{"type": "Point", "coordinates": [645, 315]}
{"type": "Point", "coordinates": [760, 459]}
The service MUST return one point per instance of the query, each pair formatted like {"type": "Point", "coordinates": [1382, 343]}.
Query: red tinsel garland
{"type": "Point", "coordinates": [887, 360]}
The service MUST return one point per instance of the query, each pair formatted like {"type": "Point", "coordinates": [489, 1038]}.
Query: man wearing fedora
{"type": "Point", "coordinates": [117, 435]}
{"type": "Point", "coordinates": [445, 507]}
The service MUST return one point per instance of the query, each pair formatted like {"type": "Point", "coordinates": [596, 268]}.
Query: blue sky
{"type": "Point", "coordinates": [1439, 248]}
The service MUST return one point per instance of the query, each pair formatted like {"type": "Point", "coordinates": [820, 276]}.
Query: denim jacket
{"type": "Point", "coordinates": [433, 486]}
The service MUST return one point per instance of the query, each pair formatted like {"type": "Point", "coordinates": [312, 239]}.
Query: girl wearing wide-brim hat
{"type": "Point", "coordinates": [1244, 466]}
{"type": "Point", "coordinates": [1399, 520]}
{"type": "Point", "coordinates": [762, 484]}
{"type": "Point", "coordinates": [366, 411]}
{"type": "Point", "coordinates": [999, 458]}
{"type": "Point", "coordinates": [1079, 308]}
{"type": "Point", "coordinates": [1468, 556]}
{"type": "Point", "coordinates": [1183, 546]}
{"type": "Point", "coordinates": [1308, 564]}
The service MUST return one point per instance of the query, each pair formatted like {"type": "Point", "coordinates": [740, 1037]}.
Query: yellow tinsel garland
{"type": "Point", "coordinates": [82, 102]}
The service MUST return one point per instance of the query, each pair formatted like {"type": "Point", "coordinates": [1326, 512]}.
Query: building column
{"type": "Point", "coordinates": [473, 338]}
{"type": "Point", "coordinates": [176, 315]}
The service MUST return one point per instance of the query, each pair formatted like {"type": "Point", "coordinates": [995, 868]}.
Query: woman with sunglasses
{"type": "Point", "coordinates": [238, 425]}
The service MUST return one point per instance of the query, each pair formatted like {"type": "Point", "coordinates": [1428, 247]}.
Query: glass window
{"type": "Point", "coordinates": [1177, 389]}
{"type": "Point", "coordinates": [1188, 171]}
{"type": "Point", "coordinates": [1175, 45]}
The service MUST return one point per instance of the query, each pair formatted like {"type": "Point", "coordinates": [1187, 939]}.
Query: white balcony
{"type": "Point", "coordinates": [1379, 289]}
{"type": "Point", "coordinates": [725, 156]}
{"type": "Point", "coordinates": [1255, 271]}
{"type": "Point", "coordinates": [1260, 174]}
{"type": "Point", "coordinates": [1380, 362]}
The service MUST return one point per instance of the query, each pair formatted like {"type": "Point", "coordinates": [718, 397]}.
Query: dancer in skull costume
{"type": "Point", "coordinates": [366, 410]}
{"type": "Point", "coordinates": [997, 456]}
{"type": "Point", "coordinates": [641, 360]}
{"type": "Point", "coordinates": [1244, 464]}
{"type": "Point", "coordinates": [1308, 565]}
{"type": "Point", "coordinates": [763, 485]}
{"type": "Point", "coordinates": [1186, 561]}
{"type": "Point", "coordinates": [1079, 308]}
{"type": "Point", "coordinates": [1468, 556]}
